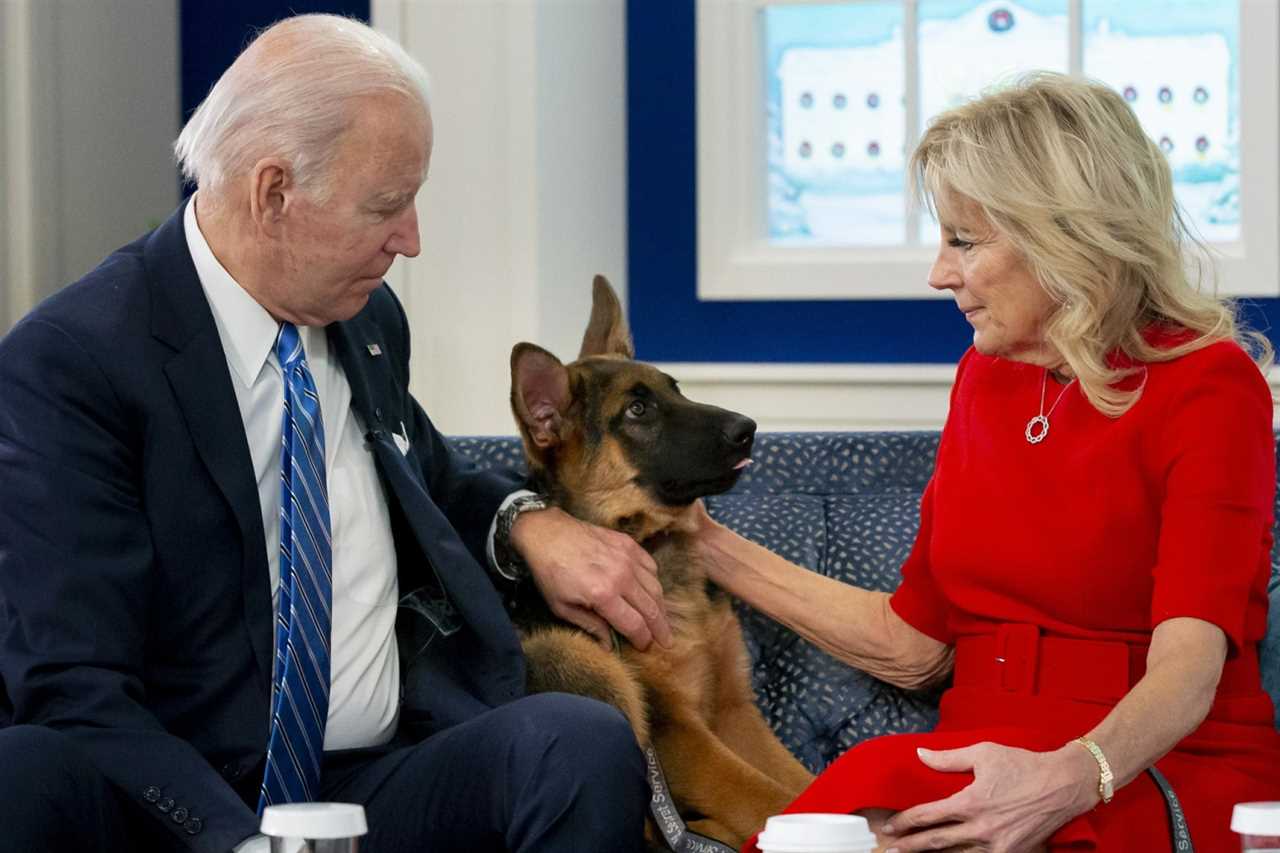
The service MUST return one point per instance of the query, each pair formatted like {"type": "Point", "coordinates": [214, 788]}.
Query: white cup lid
{"type": "Point", "coordinates": [1256, 818]}
{"type": "Point", "coordinates": [816, 833]}
{"type": "Point", "coordinates": [314, 820]}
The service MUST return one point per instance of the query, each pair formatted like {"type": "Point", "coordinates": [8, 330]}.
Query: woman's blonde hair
{"type": "Point", "coordinates": [1062, 167]}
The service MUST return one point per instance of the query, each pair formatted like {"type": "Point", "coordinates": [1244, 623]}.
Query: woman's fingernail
{"type": "Point", "coordinates": [892, 850]}
{"type": "Point", "coordinates": [887, 830]}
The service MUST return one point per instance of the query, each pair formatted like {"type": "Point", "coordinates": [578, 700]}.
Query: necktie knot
{"type": "Point", "coordinates": [289, 346]}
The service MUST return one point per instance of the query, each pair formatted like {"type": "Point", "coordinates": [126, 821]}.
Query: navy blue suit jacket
{"type": "Point", "coordinates": [135, 609]}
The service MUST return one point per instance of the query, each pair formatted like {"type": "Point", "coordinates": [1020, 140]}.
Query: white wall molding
{"type": "Point", "coordinates": [823, 396]}
{"type": "Point", "coordinates": [737, 261]}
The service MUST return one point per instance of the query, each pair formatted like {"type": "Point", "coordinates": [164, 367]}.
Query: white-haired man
{"type": "Point", "coordinates": [219, 494]}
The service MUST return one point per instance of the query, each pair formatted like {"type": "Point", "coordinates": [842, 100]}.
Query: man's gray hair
{"type": "Point", "coordinates": [291, 94]}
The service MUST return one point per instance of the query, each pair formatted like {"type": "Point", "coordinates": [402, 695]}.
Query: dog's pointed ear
{"type": "Point", "coordinates": [539, 393]}
{"type": "Point", "coordinates": [607, 332]}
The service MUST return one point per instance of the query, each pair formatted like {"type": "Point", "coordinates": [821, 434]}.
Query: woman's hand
{"type": "Point", "coordinates": [702, 521]}
{"type": "Point", "coordinates": [710, 538]}
{"type": "Point", "coordinates": [1016, 801]}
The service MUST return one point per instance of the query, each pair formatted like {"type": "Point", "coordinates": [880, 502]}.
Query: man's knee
{"type": "Point", "coordinates": [584, 730]}
{"type": "Point", "coordinates": [585, 744]}
{"type": "Point", "coordinates": [584, 777]}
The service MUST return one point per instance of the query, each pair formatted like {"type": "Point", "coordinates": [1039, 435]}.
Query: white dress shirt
{"type": "Point", "coordinates": [364, 693]}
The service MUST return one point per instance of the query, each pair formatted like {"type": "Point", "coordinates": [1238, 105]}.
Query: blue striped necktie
{"type": "Point", "coordinates": [300, 678]}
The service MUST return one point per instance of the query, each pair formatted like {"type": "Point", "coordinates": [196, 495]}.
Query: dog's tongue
{"type": "Point", "coordinates": [743, 464]}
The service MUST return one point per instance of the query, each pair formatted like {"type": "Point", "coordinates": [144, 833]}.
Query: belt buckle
{"type": "Point", "coordinates": [1017, 655]}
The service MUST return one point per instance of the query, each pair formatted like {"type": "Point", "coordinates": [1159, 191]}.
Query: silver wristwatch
{"type": "Point", "coordinates": [509, 563]}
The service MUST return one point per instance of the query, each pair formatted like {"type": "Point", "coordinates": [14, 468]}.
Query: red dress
{"type": "Point", "coordinates": [1099, 533]}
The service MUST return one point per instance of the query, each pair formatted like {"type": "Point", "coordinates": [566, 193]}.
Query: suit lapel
{"type": "Point", "coordinates": [457, 574]}
{"type": "Point", "coordinates": [201, 384]}
{"type": "Point", "coordinates": [368, 375]}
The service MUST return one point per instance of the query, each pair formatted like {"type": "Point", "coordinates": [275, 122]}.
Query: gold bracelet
{"type": "Point", "coordinates": [1105, 776]}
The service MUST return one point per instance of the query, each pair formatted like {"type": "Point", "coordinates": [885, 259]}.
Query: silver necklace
{"type": "Point", "coordinates": [1038, 426]}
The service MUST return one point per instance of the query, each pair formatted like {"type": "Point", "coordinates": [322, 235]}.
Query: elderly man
{"type": "Point", "coordinates": [238, 565]}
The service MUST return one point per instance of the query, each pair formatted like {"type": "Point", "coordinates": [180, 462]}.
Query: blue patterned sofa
{"type": "Point", "coordinates": [846, 505]}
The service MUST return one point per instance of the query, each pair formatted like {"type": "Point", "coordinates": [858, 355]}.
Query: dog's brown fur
{"type": "Point", "coordinates": [693, 702]}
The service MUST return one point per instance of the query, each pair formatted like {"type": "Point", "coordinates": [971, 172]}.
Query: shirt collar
{"type": "Point", "coordinates": [247, 331]}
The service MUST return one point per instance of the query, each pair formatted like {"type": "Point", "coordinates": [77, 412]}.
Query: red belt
{"type": "Point", "coordinates": [1021, 659]}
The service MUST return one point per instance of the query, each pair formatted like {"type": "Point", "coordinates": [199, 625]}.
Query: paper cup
{"type": "Point", "coordinates": [1258, 825]}
{"type": "Point", "coordinates": [816, 833]}
{"type": "Point", "coordinates": [314, 827]}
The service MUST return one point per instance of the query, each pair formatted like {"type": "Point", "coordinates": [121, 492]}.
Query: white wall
{"type": "Point", "coordinates": [90, 105]}
{"type": "Point", "coordinates": [118, 112]}
{"type": "Point", "coordinates": [5, 27]}
{"type": "Point", "coordinates": [525, 201]}
{"type": "Point", "coordinates": [582, 163]}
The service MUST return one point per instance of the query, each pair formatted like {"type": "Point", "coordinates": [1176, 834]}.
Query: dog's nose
{"type": "Point", "coordinates": [739, 431]}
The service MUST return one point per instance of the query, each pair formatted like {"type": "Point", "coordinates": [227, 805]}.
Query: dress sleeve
{"type": "Point", "coordinates": [918, 600]}
{"type": "Point", "coordinates": [1219, 481]}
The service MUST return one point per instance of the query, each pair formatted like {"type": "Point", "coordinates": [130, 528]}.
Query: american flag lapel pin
{"type": "Point", "coordinates": [373, 349]}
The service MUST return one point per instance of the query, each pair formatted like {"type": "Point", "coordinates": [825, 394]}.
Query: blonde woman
{"type": "Point", "coordinates": [1094, 546]}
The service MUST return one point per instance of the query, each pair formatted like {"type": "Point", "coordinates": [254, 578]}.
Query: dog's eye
{"type": "Point", "coordinates": [637, 409]}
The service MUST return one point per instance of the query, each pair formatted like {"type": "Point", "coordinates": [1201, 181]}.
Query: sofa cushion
{"type": "Point", "coordinates": [846, 505]}
{"type": "Point", "coordinates": [819, 706]}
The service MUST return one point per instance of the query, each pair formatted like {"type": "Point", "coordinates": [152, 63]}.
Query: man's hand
{"type": "Point", "coordinates": [1017, 800]}
{"type": "Point", "coordinates": [593, 577]}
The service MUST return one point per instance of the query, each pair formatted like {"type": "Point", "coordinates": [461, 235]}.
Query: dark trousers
{"type": "Point", "coordinates": [550, 772]}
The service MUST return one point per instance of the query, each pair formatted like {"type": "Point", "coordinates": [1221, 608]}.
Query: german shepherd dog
{"type": "Point", "coordinates": [614, 442]}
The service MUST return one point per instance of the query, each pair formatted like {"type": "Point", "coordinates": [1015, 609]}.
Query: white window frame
{"type": "Point", "coordinates": [736, 260]}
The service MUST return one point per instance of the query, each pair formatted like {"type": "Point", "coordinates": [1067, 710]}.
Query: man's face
{"type": "Point", "coordinates": [335, 253]}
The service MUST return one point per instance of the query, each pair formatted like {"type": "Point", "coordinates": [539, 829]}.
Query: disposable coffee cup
{"type": "Point", "coordinates": [314, 827]}
{"type": "Point", "coordinates": [816, 833]}
{"type": "Point", "coordinates": [1258, 825]}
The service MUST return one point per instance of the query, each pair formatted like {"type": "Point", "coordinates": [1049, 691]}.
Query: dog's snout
{"type": "Point", "coordinates": [739, 431]}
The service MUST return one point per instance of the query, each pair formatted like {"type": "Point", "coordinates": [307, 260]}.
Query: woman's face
{"type": "Point", "coordinates": [992, 285]}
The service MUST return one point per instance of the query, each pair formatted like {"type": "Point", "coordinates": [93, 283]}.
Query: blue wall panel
{"type": "Point", "coordinates": [212, 35]}
{"type": "Point", "coordinates": [668, 321]}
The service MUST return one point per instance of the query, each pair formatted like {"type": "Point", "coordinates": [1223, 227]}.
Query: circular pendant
{"type": "Point", "coordinates": [1037, 429]}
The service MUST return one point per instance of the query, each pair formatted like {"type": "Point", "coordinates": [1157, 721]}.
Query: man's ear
{"type": "Point", "coordinates": [539, 393]}
{"type": "Point", "coordinates": [607, 332]}
{"type": "Point", "coordinates": [271, 190]}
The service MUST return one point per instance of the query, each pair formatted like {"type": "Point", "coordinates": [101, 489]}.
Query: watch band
{"type": "Point", "coordinates": [1106, 778]}
{"type": "Point", "coordinates": [509, 563]}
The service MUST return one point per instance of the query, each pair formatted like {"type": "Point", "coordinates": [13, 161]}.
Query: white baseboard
{"type": "Point", "coordinates": [832, 397]}
{"type": "Point", "coordinates": [823, 397]}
